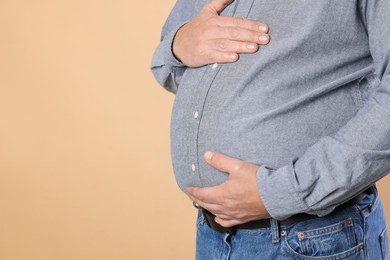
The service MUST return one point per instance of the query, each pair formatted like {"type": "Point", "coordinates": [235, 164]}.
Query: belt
{"type": "Point", "coordinates": [266, 223]}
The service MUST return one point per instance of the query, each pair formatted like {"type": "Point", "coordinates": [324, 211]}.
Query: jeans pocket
{"type": "Point", "coordinates": [383, 239]}
{"type": "Point", "coordinates": [327, 241]}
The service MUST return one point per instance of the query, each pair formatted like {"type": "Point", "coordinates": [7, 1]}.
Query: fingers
{"type": "Point", "coordinates": [237, 29]}
{"type": "Point", "coordinates": [219, 5]}
{"type": "Point", "coordinates": [210, 195]}
{"type": "Point", "coordinates": [223, 162]}
{"type": "Point", "coordinates": [227, 223]}
{"type": "Point", "coordinates": [214, 206]}
{"type": "Point", "coordinates": [213, 56]}
{"type": "Point", "coordinates": [226, 50]}
{"type": "Point", "coordinates": [242, 23]}
{"type": "Point", "coordinates": [206, 198]}
{"type": "Point", "coordinates": [225, 45]}
{"type": "Point", "coordinates": [243, 35]}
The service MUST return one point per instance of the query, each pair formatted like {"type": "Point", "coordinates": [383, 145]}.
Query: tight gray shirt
{"type": "Point", "coordinates": [312, 107]}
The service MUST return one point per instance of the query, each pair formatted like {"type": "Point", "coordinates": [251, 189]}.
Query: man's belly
{"type": "Point", "coordinates": [261, 121]}
{"type": "Point", "coordinates": [268, 107]}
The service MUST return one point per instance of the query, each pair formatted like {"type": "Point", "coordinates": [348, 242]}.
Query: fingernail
{"type": "Point", "coordinates": [233, 56]}
{"type": "Point", "coordinates": [263, 38]}
{"type": "Point", "coordinates": [263, 28]}
{"type": "Point", "coordinates": [251, 46]}
{"type": "Point", "coordinates": [208, 155]}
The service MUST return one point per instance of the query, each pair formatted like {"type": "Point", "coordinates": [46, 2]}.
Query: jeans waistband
{"type": "Point", "coordinates": [267, 223]}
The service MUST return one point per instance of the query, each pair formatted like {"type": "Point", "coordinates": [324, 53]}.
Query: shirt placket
{"type": "Point", "coordinates": [240, 9]}
{"type": "Point", "coordinates": [197, 114]}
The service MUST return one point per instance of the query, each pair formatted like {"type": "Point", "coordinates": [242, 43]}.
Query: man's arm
{"type": "Point", "coordinates": [166, 68]}
{"type": "Point", "coordinates": [208, 38]}
{"type": "Point", "coordinates": [338, 167]}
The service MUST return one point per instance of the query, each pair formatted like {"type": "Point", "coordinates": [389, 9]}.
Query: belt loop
{"type": "Point", "coordinates": [374, 191]}
{"type": "Point", "coordinates": [275, 230]}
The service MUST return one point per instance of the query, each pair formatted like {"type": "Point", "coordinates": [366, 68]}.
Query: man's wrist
{"type": "Point", "coordinates": [169, 57]}
{"type": "Point", "coordinates": [173, 46]}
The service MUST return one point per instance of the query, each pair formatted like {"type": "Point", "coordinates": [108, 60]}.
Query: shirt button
{"type": "Point", "coordinates": [193, 167]}
{"type": "Point", "coordinates": [215, 65]}
{"type": "Point", "coordinates": [196, 114]}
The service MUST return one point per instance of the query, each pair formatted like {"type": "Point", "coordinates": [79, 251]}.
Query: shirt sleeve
{"type": "Point", "coordinates": [338, 167]}
{"type": "Point", "coordinates": [165, 67]}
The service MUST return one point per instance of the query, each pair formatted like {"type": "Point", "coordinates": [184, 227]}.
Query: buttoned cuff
{"type": "Point", "coordinates": [169, 59]}
{"type": "Point", "coordinates": [278, 193]}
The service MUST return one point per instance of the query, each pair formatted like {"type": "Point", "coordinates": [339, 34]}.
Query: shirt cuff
{"type": "Point", "coordinates": [169, 58]}
{"type": "Point", "coordinates": [278, 194]}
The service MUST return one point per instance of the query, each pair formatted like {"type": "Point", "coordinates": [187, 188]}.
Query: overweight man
{"type": "Point", "coordinates": [281, 124]}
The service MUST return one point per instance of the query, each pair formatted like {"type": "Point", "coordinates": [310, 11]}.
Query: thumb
{"type": "Point", "coordinates": [223, 162]}
{"type": "Point", "coordinates": [220, 5]}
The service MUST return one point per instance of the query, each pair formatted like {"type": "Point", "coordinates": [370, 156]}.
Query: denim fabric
{"type": "Point", "coordinates": [357, 232]}
{"type": "Point", "coordinates": [312, 107]}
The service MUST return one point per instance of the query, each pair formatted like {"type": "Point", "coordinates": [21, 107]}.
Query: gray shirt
{"type": "Point", "coordinates": [312, 107]}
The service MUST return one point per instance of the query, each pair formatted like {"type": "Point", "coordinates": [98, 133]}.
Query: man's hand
{"type": "Point", "coordinates": [211, 38]}
{"type": "Point", "coordinates": [237, 200]}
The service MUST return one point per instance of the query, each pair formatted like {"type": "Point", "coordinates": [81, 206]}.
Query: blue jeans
{"type": "Point", "coordinates": [357, 232]}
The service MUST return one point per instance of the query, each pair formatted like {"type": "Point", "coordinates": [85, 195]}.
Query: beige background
{"type": "Point", "coordinates": [85, 170]}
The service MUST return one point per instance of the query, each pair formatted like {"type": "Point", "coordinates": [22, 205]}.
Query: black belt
{"type": "Point", "coordinates": [266, 223]}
